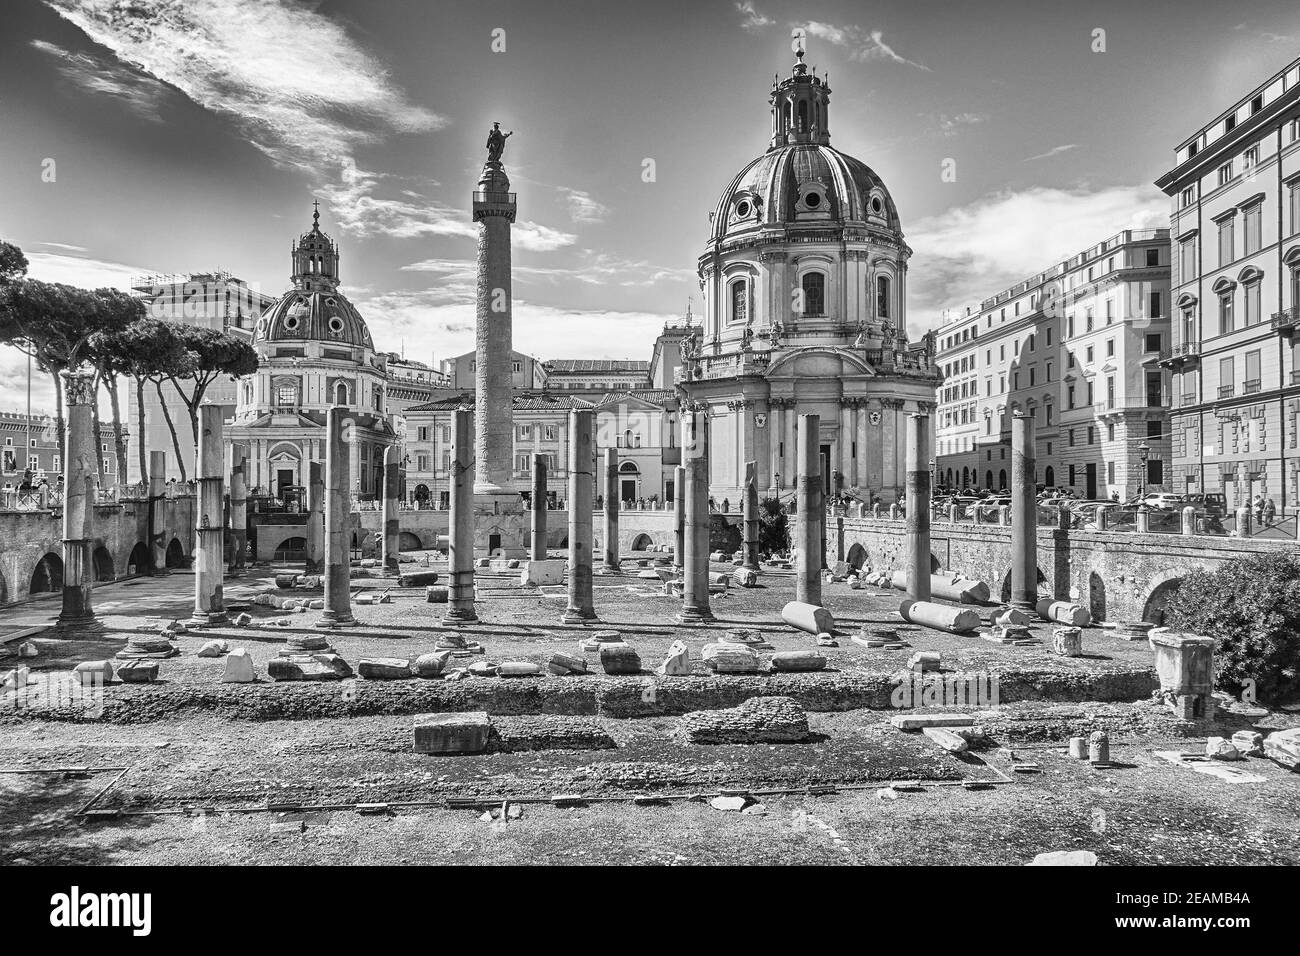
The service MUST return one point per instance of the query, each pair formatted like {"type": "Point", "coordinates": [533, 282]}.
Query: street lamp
{"type": "Point", "coordinates": [1143, 452]}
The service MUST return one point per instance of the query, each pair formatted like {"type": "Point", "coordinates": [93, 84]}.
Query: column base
{"type": "Point", "coordinates": [611, 569]}
{"type": "Point", "coordinates": [577, 616]}
{"type": "Point", "coordinates": [455, 617]}
{"type": "Point", "coordinates": [144, 647]}
{"type": "Point", "coordinates": [306, 644]}
{"type": "Point", "coordinates": [208, 618]}
{"type": "Point", "coordinates": [79, 625]}
{"type": "Point", "coordinates": [333, 623]}
{"type": "Point", "coordinates": [695, 615]}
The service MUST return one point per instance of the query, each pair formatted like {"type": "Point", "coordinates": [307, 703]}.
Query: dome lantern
{"type": "Point", "coordinates": [800, 108]}
{"type": "Point", "coordinates": [315, 260]}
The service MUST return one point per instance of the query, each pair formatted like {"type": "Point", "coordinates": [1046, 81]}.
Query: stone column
{"type": "Point", "coordinates": [581, 609]}
{"type": "Point", "coordinates": [611, 511]}
{"type": "Point", "coordinates": [315, 518]}
{"type": "Point", "coordinates": [79, 471]}
{"type": "Point", "coordinates": [209, 566]}
{"type": "Point", "coordinates": [338, 558]}
{"type": "Point", "coordinates": [889, 448]}
{"type": "Point", "coordinates": [750, 509]}
{"type": "Point", "coordinates": [695, 564]}
{"type": "Point", "coordinates": [157, 511]}
{"type": "Point", "coordinates": [918, 507]}
{"type": "Point", "coordinates": [679, 519]}
{"type": "Point", "coordinates": [499, 517]}
{"type": "Point", "coordinates": [238, 508]}
{"type": "Point", "coordinates": [539, 503]}
{"type": "Point", "coordinates": [810, 513]}
{"type": "Point", "coordinates": [1024, 517]}
{"type": "Point", "coordinates": [460, 534]}
{"type": "Point", "coordinates": [392, 537]}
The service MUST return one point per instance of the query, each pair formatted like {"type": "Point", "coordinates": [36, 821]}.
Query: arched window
{"type": "Point", "coordinates": [882, 297]}
{"type": "Point", "coordinates": [814, 293]}
{"type": "Point", "coordinates": [739, 302]}
{"type": "Point", "coordinates": [341, 393]}
{"type": "Point", "coordinates": [286, 395]}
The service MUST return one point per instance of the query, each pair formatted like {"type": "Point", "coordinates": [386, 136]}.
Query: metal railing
{"type": "Point", "coordinates": [1251, 386]}
{"type": "Point", "coordinates": [1226, 391]}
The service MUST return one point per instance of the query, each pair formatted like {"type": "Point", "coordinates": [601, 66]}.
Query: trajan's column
{"type": "Point", "coordinates": [499, 519]}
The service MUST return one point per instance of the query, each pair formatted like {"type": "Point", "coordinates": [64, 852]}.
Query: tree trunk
{"type": "Point", "coordinates": [59, 431]}
{"type": "Point", "coordinates": [119, 442]}
{"type": "Point", "coordinates": [139, 440]}
{"type": "Point", "coordinates": [94, 419]}
{"type": "Point", "coordinates": [171, 426]}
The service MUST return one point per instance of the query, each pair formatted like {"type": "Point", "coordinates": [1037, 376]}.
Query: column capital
{"type": "Point", "coordinates": [78, 387]}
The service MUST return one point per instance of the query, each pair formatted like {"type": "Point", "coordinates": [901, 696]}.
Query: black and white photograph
{"type": "Point", "coordinates": [640, 434]}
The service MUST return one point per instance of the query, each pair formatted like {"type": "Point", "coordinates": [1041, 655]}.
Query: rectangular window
{"type": "Point", "coordinates": [1069, 327]}
{"type": "Point", "coordinates": [1072, 472]}
{"type": "Point", "coordinates": [1187, 259]}
{"type": "Point", "coordinates": [1252, 302]}
{"type": "Point", "coordinates": [1254, 229]}
{"type": "Point", "coordinates": [1092, 435]}
{"type": "Point", "coordinates": [1069, 402]}
{"type": "Point", "coordinates": [1153, 257]}
{"type": "Point", "coordinates": [1189, 196]}
{"type": "Point", "coordinates": [1110, 472]}
{"type": "Point", "coordinates": [1226, 377]}
{"type": "Point", "coordinates": [1225, 173]}
{"type": "Point", "coordinates": [1227, 229]}
{"type": "Point", "coordinates": [1049, 335]}
{"type": "Point", "coordinates": [1110, 347]}
{"type": "Point", "coordinates": [1225, 314]}
{"type": "Point", "coordinates": [1049, 371]}
{"type": "Point", "coordinates": [1032, 376]}
{"type": "Point", "coordinates": [1252, 383]}
{"type": "Point", "coordinates": [1110, 391]}
{"type": "Point", "coordinates": [1088, 355]}
{"type": "Point", "coordinates": [1047, 416]}
{"type": "Point", "coordinates": [1295, 208]}
{"type": "Point", "coordinates": [1153, 342]}
{"type": "Point", "coordinates": [421, 462]}
{"type": "Point", "coordinates": [1110, 431]}
{"type": "Point", "coordinates": [1153, 305]}
{"type": "Point", "coordinates": [1087, 320]}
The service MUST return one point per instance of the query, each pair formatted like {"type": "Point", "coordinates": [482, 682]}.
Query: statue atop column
{"type": "Point", "coordinates": [496, 142]}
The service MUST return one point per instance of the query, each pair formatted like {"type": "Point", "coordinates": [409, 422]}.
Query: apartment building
{"type": "Point", "coordinates": [1076, 346]}
{"type": "Point", "coordinates": [1235, 223]}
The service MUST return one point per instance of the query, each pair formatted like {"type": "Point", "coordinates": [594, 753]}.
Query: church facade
{"type": "Point", "coordinates": [314, 351]}
{"type": "Point", "coordinates": [804, 277]}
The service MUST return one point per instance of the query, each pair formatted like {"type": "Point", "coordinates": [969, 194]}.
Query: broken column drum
{"type": "Point", "coordinates": [392, 532]}
{"type": "Point", "coordinates": [238, 507]}
{"type": "Point", "coordinates": [79, 470]}
{"type": "Point", "coordinates": [315, 554]}
{"type": "Point", "coordinates": [581, 609]}
{"type": "Point", "coordinates": [918, 507]}
{"type": "Point", "coordinates": [750, 514]}
{"type": "Point", "coordinates": [338, 559]}
{"type": "Point", "coordinates": [810, 512]}
{"type": "Point", "coordinates": [1024, 518]}
{"type": "Point", "coordinates": [679, 517]}
{"type": "Point", "coordinates": [537, 546]}
{"type": "Point", "coordinates": [695, 564]}
{"type": "Point", "coordinates": [460, 537]}
{"type": "Point", "coordinates": [209, 565]}
{"type": "Point", "coordinates": [610, 470]}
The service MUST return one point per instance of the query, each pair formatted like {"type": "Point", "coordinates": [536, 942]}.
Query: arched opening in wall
{"type": "Point", "coordinates": [965, 477]}
{"type": "Point", "coordinates": [47, 576]}
{"type": "Point", "coordinates": [1049, 477]}
{"type": "Point", "coordinates": [1002, 480]}
{"type": "Point", "coordinates": [988, 479]}
{"type": "Point", "coordinates": [1096, 597]}
{"type": "Point", "coordinates": [341, 393]}
{"type": "Point", "coordinates": [409, 541]}
{"type": "Point", "coordinates": [628, 478]}
{"type": "Point", "coordinates": [856, 557]}
{"type": "Point", "coordinates": [140, 561]}
{"type": "Point", "coordinates": [642, 542]}
{"type": "Point", "coordinates": [103, 562]}
{"type": "Point", "coordinates": [175, 554]}
{"type": "Point", "coordinates": [935, 564]}
{"type": "Point", "coordinates": [4, 591]}
{"type": "Point", "coordinates": [1154, 610]}
{"type": "Point", "coordinates": [291, 549]}
{"type": "Point", "coordinates": [1006, 585]}
{"type": "Point", "coordinates": [564, 542]}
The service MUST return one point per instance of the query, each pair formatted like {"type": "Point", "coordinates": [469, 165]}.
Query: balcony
{"type": "Point", "coordinates": [1226, 391]}
{"type": "Point", "coordinates": [1178, 356]}
{"type": "Point", "coordinates": [1189, 399]}
{"type": "Point", "coordinates": [1251, 386]}
{"type": "Point", "coordinates": [1287, 320]}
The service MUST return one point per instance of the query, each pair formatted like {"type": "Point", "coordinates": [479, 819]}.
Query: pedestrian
{"type": "Point", "coordinates": [1270, 512]}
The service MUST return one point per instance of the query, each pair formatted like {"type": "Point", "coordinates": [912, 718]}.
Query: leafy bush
{"type": "Point", "coordinates": [1251, 607]}
{"type": "Point", "coordinates": [773, 527]}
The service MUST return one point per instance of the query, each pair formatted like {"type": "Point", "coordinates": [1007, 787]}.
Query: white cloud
{"type": "Point", "coordinates": [751, 19]}
{"type": "Point", "coordinates": [952, 125]}
{"type": "Point", "coordinates": [582, 207]}
{"type": "Point", "coordinates": [861, 43]}
{"type": "Point", "coordinates": [1054, 151]}
{"type": "Point", "coordinates": [591, 268]}
{"type": "Point", "coordinates": [138, 92]}
{"type": "Point", "coordinates": [440, 320]}
{"type": "Point", "coordinates": [971, 252]}
{"type": "Point", "coordinates": [83, 271]}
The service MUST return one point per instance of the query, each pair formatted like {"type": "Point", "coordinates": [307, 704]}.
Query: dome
{"type": "Point", "coordinates": [804, 183]}
{"type": "Point", "coordinates": [322, 316]}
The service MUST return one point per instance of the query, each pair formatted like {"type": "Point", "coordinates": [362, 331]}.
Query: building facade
{"type": "Point", "coordinates": [31, 443]}
{"type": "Point", "coordinates": [314, 351]}
{"type": "Point", "coordinates": [210, 300]}
{"type": "Point", "coordinates": [804, 277]}
{"type": "Point", "coordinates": [1076, 346]}
{"type": "Point", "coordinates": [1235, 222]}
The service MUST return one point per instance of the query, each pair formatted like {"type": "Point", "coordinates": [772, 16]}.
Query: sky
{"type": "Point", "coordinates": [160, 136]}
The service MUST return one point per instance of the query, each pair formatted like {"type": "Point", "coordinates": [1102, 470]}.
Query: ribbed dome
{"type": "Point", "coordinates": [321, 316]}
{"type": "Point", "coordinates": [803, 182]}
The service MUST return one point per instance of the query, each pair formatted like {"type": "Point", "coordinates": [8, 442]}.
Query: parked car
{"type": "Point", "coordinates": [988, 508]}
{"type": "Point", "coordinates": [1164, 501]}
{"type": "Point", "coordinates": [1212, 503]}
